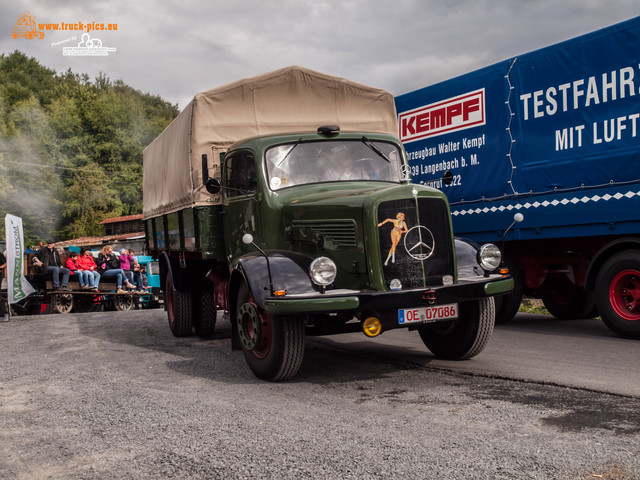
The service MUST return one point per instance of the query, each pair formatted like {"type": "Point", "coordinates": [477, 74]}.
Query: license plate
{"type": "Point", "coordinates": [427, 314]}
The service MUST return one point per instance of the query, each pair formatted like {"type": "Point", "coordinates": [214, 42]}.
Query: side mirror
{"type": "Point", "coordinates": [213, 186]}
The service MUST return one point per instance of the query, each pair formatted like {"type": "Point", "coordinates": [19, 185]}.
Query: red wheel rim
{"type": "Point", "coordinates": [624, 294]}
{"type": "Point", "coordinates": [260, 335]}
{"type": "Point", "coordinates": [264, 344]}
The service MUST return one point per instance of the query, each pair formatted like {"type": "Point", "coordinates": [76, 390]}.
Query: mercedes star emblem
{"type": "Point", "coordinates": [419, 242]}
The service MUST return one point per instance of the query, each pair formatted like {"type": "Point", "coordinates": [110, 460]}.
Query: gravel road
{"type": "Point", "coordinates": [114, 395]}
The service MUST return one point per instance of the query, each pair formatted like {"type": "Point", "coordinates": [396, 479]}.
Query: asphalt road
{"type": "Point", "coordinates": [114, 395]}
{"type": "Point", "coordinates": [533, 348]}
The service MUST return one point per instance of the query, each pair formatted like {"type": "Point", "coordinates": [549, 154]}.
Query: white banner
{"type": "Point", "coordinates": [17, 286]}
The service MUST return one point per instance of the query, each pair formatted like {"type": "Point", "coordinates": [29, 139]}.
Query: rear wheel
{"type": "Point", "coordinates": [464, 337]}
{"type": "Point", "coordinates": [204, 320]}
{"type": "Point", "coordinates": [618, 293]}
{"type": "Point", "coordinates": [566, 300]}
{"type": "Point", "coordinates": [273, 346]}
{"type": "Point", "coordinates": [179, 309]}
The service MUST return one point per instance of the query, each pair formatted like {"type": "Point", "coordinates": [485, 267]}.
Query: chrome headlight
{"type": "Point", "coordinates": [323, 271]}
{"type": "Point", "coordinates": [489, 257]}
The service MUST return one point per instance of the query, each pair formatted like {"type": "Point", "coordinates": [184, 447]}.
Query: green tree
{"type": "Point", "coordinates": [71, 148]}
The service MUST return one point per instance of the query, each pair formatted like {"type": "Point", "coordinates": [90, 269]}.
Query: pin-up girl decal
{"type": "Point", "coordinates": [399, 227]}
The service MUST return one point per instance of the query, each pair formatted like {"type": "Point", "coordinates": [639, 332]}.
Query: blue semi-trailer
{"type": "Point", "coordinates": [554, 135]}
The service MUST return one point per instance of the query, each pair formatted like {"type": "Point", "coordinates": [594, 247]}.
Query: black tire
{"type": "Point", "coordinates": [62, 302]}
{"type": "Point", "coordinates": [273, 347]}
{"type": "Point", "coordinates": [123, 303]}
{"type": "Point", "coordinates": [464, 337]}
{"type": "Point", "coordinates": [507, 306]}
{"type": "Point", "coordinates": [179, 309]}
{"type": "Point", "coordinates": [204, 320]}
{"type": "Point", "coordinates": [566, 300]}
{"type": "Point", "coordinates": [617, 291]}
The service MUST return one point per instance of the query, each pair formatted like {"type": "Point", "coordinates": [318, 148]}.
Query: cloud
{"type": "Point", "coordinates": [176, 50]}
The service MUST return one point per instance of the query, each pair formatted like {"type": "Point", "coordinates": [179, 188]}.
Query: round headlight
{"type": "Point", "coordinates": [323, 271]}
{"type": "Point", "coordinates": [489, 257]}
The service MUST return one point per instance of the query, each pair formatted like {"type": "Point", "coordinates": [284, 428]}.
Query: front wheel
{"type": "Point", "coordinates": [62, 302]}
{"type": "Point", "coordinates": [123, 303]}
{"type": "Point", "coordinates": [507, 306]}
{"type": "Point", "coordinates": [464, 337]}
{"type": "Point", "coordinates": [273, 346]}
{"type": "Point", "coordinates": [618, 293]}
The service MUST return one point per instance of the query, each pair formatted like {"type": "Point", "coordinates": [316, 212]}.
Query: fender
{"type": "Point", "coordinates": [289, 271]}
{"type": "Point", "coordinates": [466, 257]}
{"type": "Point", "coordinates": [604, 254]}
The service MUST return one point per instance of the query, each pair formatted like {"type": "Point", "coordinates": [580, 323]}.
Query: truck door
{"type": "Point", "coordinates": [241, 214]}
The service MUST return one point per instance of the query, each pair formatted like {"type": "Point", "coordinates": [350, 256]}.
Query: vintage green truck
{"type": "Point", "coordinates": [286, 200]}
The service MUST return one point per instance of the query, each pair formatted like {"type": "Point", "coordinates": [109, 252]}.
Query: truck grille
{"type": "Point", "coordinates": [341, 233]}
{"type": "Point", "coordinates": [415, 242]}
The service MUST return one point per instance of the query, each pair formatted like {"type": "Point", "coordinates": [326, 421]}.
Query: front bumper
{"type": "Point", "coordinates": [334, 301]}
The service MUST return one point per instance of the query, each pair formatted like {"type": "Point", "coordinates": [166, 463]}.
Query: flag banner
{"type": "Point", "coordinates": [17, 285]}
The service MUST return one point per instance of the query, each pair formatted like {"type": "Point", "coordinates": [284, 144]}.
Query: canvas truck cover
{"type": "Point", "coordinates": [291, 99]}
{"type": "Point", "coordinates": [553, 133]}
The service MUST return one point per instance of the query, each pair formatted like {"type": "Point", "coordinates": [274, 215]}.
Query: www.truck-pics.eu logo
{"type": "Point", "coordinates": [456, 113]}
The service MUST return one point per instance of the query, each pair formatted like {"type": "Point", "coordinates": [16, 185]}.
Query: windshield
{"type": "Point", "coordinates": [332, 161]}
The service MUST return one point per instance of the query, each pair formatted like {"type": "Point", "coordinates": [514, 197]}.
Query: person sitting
{"type": "Point", "coordinates": [48, 259]}
{"type": "Point", "coordinates": [109, 266]}
{"type": "Point", "coordinates": [77, 271]}
{"type": "Point", "coordinates": [88, 264]}
{"type": "Point", "coordinates": [137, 272]}
{"type": "Point", "coordinates": [126, 262]}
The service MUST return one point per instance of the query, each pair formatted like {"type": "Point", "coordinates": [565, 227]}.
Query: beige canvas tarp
{"type": "Point", "coordinates": [291, 99]}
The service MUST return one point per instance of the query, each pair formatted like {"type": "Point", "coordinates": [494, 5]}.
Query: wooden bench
{"type": "Point", "coordinates": [104, 288]}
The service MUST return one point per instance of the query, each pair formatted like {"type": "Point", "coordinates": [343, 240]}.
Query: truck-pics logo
{"type": "Point", "coordinates": [457, 113]}
{"type": "Point", "coordinates": [26, 27]}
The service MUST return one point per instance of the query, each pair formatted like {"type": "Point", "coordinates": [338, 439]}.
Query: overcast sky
{"type": "Point", "coordinates": [176, 49]}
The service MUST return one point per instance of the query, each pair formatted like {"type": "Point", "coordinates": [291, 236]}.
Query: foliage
{"type": "Point", "coordinates": [533, 306]}
{"type": "Point", "coordinates": [71, 148]}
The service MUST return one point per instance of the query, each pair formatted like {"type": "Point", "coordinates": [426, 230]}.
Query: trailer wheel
{"type": "Point", "coordinates": [566, 300]}
{"type": "Point", "coordinates": [62, 302]}
{"type": "Point", "coordinates": [204, 320]}
{"type": "Point", "coordinates": [179, 309]}
{"type": "Point", "coordinates": [273, 346]}
{"type": "Point", "coordinates": [507, 306]}
{"type": "Point", "coordinates": [618, 293]}
{"type": "Point", "coordinates": [123, 303]}
{"type": "Point", "coordinates": [464, 337]}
